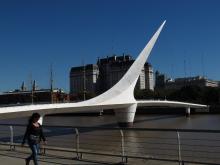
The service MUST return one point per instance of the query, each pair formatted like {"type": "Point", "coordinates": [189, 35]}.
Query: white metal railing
{"type": "Point", "coordinates": [176, 145]}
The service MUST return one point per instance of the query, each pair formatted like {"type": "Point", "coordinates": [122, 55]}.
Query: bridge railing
{"type": "Point", "coordinates": [125, 144]}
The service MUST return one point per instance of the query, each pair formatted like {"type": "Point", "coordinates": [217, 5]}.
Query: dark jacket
{"type": "Point", "coordinates": [33, 134]}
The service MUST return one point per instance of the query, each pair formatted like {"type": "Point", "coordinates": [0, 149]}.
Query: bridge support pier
{"type": "Point", "coordinates": [188, 111]}
{"type": "Point", "coordinates": [125, 116]}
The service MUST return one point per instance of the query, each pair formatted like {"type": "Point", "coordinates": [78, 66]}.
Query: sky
{"type": "Point", "coordinates": [66, 33]}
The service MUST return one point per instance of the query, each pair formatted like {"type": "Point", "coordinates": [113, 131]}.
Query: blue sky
{"type": "Point", "coordinates": [34, 34]}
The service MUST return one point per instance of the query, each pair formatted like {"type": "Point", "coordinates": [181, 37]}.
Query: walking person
{"type": "Point", "coordinates": [34, 134]}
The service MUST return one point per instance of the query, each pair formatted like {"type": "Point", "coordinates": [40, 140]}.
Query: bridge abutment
{"type": "Point", "coordinates": [125, 116]}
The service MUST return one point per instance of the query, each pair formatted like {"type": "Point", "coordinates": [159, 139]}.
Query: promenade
{"type": "Point", "coordinates": [17, 157]}
{"type": "Point", "coordinates": [8, 157]}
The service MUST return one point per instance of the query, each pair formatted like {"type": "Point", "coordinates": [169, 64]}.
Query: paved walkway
{"type": "Point", "coordinates": [18, 156]}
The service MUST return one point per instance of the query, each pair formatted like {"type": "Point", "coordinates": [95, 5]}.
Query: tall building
{"type": "Point", "coordinates": [160, 80]}
{"type": "Point", "coordinates": [106, 73]}
{"type": "Point", "coordinates": [113, 68]}
{"type": "Point", "coordinates": [83, 78]}
{"type": "Point", "coordinates": [149, 77]}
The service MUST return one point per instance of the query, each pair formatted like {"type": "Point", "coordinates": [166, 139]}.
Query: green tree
{"type": "Point", "coordinates": [143, 94]}
{"type": "Point", "coordinates": [187, 93]}
{"type": "Point", "coordinates": [211, 96]}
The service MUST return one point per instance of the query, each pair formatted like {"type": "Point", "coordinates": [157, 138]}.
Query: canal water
{"type": "Point", "coordinates": [195, 121]}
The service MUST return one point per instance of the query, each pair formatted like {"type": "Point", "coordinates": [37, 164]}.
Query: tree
{"type": "Point", "coordinates": [187, 93]}
{"type": "Point", "coordinates": [211, 96]}
{"type": "Point", "coordinates": [143, 94]}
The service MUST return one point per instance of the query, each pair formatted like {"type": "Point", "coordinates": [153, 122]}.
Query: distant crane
{"type": "Point", "coordinates": [51, 82]}
{"type": "Point", "coordinates": [84, 81]}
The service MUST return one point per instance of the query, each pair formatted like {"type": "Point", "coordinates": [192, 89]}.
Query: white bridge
{"type": "Point", "coordinates": [120, 97]}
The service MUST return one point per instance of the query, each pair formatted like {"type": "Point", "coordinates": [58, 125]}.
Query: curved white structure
{"type": "Point", "coordinates": [120, 97]}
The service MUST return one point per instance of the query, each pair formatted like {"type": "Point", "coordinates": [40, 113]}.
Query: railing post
{"type": "Point", "coordinates": [179, 149]}
{"type": "Point", "coordinates": [78, 155]}
{"type": "Point", "coordinates": [12, 147]}
{"type": "Point", "coordinates": [124, 159]}
{"type": "Point", "coordinates": [42, 149]}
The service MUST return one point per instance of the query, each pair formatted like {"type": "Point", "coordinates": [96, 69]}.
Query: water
{"type": "Point", "coordinates": [195, 121]}
{"type": "Point", "coordinates": [141, 121]}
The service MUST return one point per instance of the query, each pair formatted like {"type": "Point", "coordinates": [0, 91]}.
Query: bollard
{"type": "Point", "coordinates": [78, 155]}
{"type": "Point", "coordinates": [12, 147]}
{"type": "Point", "coordinates": [179, 149]}
{"type": "Point", "coordinates": [124, 159]}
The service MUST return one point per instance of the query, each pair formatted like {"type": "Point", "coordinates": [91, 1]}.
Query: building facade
{"type": "Point", "coordinates": [149, 76]}
{"type": "Point", "coordinates": [163, 82]}
{"type": "Point", "coordinates": [191, 81]}
{"type": "Point", "coordinates": [84, 78]}
{"type": "Point", "coordinates": [33, 96]}
{"type": "Point", "coordinates": [97, 78]}
{"type": "Point", "coordinates": [112, 70]}
{"type": "Point", "coordinates": [160, 80]}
